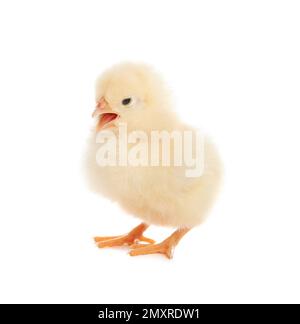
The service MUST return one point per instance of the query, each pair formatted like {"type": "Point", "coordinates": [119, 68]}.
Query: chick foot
{"type": "Point", "coordinates": [133, 237]}
{"type": "Point", "coordinates": [166, 247]}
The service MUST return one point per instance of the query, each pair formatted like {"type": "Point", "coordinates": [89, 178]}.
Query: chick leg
{"type": "Point", "coordinates": [166, 247]}
{"type": "Point", "coordinates": [132, 237]}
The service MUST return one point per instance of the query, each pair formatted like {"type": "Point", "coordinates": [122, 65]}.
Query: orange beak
{"type": "Point", "coordinates": [107, 116]}
{"type": "Point", "coordinates": [101, 104]}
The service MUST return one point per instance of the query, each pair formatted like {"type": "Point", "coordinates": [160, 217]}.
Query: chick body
{"type": "Point", "coordinates": [158, 195]}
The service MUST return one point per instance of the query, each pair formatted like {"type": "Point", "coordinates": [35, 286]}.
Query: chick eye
{"type": "Point", "coordinates": [126, 101]}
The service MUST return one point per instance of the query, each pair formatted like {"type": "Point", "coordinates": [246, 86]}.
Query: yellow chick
{"type": "Point", "coordinates": [133, 107]}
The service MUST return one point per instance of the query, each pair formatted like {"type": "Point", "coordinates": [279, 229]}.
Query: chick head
{"type": "Point", "coordinates": [129, 93]}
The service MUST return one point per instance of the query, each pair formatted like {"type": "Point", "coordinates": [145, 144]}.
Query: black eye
{"type": "Point", "coordinates": [126, 101]}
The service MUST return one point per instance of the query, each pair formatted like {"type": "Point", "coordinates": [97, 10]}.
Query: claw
{"type": "Point", "coordinates": [146, 239]}
{"type": "Point", "coordinates": [133, 237]}
{"type": "Point", "coordinates": [162, 248]}
{"type": "Point", "coordinates": [116, 241]}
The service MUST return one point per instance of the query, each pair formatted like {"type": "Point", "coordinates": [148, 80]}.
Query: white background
{"type": "Point", "coordinates": [234, 69]}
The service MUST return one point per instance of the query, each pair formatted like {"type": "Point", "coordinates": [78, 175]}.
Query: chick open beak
{"type": "Point", "coordinates": [105, 114]}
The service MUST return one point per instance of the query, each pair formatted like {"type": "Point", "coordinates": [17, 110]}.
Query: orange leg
{"type": "Point", "coordinates": [131, 238]}
{"type": "Point", "coordinates": [166, 247]}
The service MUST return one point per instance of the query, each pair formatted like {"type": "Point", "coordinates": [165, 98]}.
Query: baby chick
{"type": "Point", "coordinates": [134, 95]}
